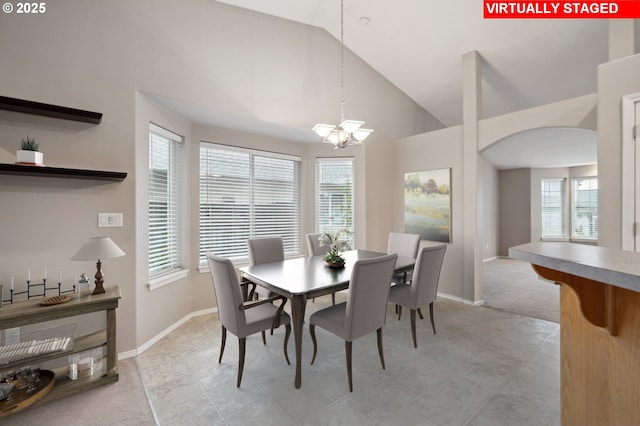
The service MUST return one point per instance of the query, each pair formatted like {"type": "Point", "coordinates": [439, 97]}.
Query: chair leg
{"type": "Point", "coordinates": [347, 347]}
{"type": "Point", "coordinates": [399, 311]}
{"type": "Point", "coordinates": [420, 313]}
{"type": "Point", "coordinates": [380, 351]}
{"type": "Point", "coordinates": [433, 325]}
{"type": "Point", "coordinates": [224, 341]}
{"type": "Point", "coordinates": [312, 332]}
{"type": "Point", "coordinates": [333, 299]}
{"type": "Point", "coordinates": [264, 338]}
{"type": "Point", "coordinates": [286, 341]}
{"type": "Point", "coordinates": [413, 327]}
{"type": "Point", "coordinates": [242, 343]}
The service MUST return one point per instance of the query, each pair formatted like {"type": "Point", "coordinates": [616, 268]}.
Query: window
{"type": "Point", "coordinates": [334, 194]}
{"type": "Point", "coordinates": [165, 217]}
{"type": "Point", "coordinates": [246, 194]}
{"type": "Point", "coordinates": [553, 210]}
{"type": "Point", "coordinates": [584, 208]}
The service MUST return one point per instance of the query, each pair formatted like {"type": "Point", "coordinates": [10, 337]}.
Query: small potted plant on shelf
{"type": "Point", "coordinates": [29, 154]}
{"type": "Point", "coordinates": [333, 258]}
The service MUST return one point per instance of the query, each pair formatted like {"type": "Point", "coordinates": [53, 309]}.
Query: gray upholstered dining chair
{"type": "Point", "coordinates": [364, 311]}
{"type": "Point", "coordinates": [265, 250]}
{"type": "Point", "coordinates": [315, 249]}
{"type": "Point", "coordinates": [405, 245]}
{"type": "Point", "coordinates": [423, 288]}
{"type": "Point", "coordinates": [243, 318]}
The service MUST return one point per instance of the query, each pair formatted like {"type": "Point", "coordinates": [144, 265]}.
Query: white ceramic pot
{"type": "Point", "coordinates": [35, 158]}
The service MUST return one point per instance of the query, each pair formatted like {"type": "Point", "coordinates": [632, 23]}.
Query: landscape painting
{"type": "Point", "coordinates": [427, 204]}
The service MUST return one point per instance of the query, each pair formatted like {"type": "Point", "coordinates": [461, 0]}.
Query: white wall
{"type": "Point", "coordinates": [513, 204]}
{"type": "Point", "coordinates": [490, 205]}
{"type": "Point", "coordinates": [430, 151]}
{"type": "Point", "coordinates": [615, 80]}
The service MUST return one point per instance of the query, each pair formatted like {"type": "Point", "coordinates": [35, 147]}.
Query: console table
{"type": "Point", "coordinates": [28, 312]}
{"type": "Point", "coordinates": [599, 329]}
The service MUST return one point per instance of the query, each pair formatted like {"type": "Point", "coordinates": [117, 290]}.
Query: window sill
{"type": "Point", "coordinates": [166, 279]}
{"type": "Point", "coordinates": [555, 239]}
{"type": "Point", "coordinates": [591, 241]}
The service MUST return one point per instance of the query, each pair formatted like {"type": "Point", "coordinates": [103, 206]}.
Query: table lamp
{"type": "Point", "coordinates": [98, 248]}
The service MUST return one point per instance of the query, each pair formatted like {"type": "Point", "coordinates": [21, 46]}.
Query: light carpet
{"type": "Point", "coordinates": [122, 403]}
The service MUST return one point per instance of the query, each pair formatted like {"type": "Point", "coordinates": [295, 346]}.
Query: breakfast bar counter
{"type": "Point", "coordinates": [599, 329]}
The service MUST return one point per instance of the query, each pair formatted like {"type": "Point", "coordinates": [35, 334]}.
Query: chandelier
{"type": "Point", "coordinates": [348, 132]}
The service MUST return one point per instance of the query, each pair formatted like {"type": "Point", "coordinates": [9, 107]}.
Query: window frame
{"type": "Point", "coordinates": [319, 222]}
{"type": "Point", "coordinates": [176, 269]}
{"type": "Point", "coordinates": [257, 188]}
{"type": "Point", "coordinates": [574, 198]}
{"type": "Point", "coordinates": [563, 209]}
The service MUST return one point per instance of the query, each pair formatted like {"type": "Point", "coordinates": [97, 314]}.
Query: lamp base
{"type": "Point", "coordinates": [99, 279]}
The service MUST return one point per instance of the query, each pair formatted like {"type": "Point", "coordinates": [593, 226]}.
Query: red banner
{"type": "Point", "coordinates": [623, 9]}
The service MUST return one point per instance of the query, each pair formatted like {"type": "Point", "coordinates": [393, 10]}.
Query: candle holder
{"type": "Point", "coordinates": [44, 290]}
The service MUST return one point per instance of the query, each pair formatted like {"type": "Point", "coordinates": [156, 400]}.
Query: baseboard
{"type": "Point", "coordinates": [489, 259]}
{"type": "Point", "coordinates": [461, 300]}
{"type": "Point", "coordinates": [140, 350]}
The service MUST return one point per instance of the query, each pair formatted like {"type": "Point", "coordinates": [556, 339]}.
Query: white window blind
{"type": "Point", "coordinates": [334, 194]}
{"type": "Point", "coordinates": [246, 194]}
{"type": "Point", "coordinates": [553, 210]}
{"type": "Point", "coordinates": [165, 218]}
{"type": "Point", "coordinates": [584, 209]}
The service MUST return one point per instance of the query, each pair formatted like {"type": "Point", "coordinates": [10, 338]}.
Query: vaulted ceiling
{"type": "Point", "coordinates": [418, 46]}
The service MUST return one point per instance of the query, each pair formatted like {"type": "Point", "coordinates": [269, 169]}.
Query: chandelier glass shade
{"type": "Point", "coordinates": [348, 132]}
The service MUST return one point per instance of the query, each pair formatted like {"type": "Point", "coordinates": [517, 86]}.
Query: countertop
{"type": "Point", "coordinates": [620, 268]}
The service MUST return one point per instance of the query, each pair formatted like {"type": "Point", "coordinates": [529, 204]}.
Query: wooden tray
{"type": "Point", "coordinates": [56, 300]}
{"type": "Point", "coordinates": [20, 399]}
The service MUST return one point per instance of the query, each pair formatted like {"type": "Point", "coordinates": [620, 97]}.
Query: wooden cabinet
{"type": "Point", "coordinates": [31, 312]}
{"type": "Point", "coordinates": [599, 329]}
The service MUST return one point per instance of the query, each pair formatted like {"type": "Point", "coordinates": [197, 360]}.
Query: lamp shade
{"type": "Point", "coordinates": [98, 248]}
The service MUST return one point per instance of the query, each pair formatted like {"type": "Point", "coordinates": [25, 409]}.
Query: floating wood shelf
{"type": "Point", "coordinates": [48, 110]}
{"type": "Point", "coordinates": [14, 169]}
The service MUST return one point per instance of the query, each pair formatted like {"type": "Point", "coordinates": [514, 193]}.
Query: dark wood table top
{"type": "Point", "coordinates": [310, 275]}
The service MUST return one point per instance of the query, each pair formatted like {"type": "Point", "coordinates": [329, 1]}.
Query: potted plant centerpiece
{"type": "Point", "coordinates": [29, 154]}
{"type": "Point", "coordinates": [333, 258]}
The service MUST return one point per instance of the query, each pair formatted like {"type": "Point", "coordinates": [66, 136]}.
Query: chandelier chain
{"type": "Point", "coordinates": [347, 132]}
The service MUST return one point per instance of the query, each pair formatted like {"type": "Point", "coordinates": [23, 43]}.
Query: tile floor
{"type": "Point", "coordinates": [484, 367]}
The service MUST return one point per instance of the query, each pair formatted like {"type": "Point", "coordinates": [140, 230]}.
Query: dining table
{"type": "Point", "coordinates": [301, 278]}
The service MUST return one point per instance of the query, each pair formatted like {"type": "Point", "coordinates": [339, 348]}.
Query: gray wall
{"type": "Point", "coordinates": [515, 208]}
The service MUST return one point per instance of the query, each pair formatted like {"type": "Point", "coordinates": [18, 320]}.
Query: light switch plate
{"type": "Point", "coordinates": [110, 220]}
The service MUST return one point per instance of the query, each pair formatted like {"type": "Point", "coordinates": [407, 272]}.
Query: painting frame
{"type": "Point", "coordinates": [427, 204]}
